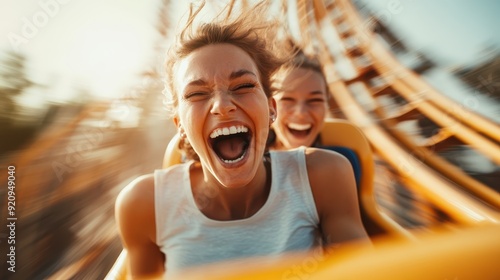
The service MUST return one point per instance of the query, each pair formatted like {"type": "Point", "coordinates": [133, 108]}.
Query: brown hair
{"type": "Point", "coordinates": [250, 31]}
{"type": "Point", "coordinates": [304, 61]}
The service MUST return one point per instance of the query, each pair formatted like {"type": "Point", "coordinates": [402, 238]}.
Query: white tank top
{"type": "Point", "coordinates": [288, 221]}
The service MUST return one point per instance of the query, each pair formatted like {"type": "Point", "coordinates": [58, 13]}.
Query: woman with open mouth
{"type": "Point", "coordinates": [302, 103]}
{"type": "Point", "coordinates": [233, 199]}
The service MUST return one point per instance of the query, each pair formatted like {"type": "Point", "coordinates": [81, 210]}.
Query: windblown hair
{"type": "Point", "coordinates": [304, 61]}
{"type": "Point", "coordinates": [250, 31]}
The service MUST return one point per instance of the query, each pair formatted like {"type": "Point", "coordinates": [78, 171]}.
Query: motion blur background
{"type": "Point", "coordinates": [81, 110]}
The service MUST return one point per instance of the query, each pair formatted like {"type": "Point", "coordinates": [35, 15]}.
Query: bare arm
{"type": "Point", "coordinates": [135, 215]}
{"type": "Point", "coordinates": [335, 194]}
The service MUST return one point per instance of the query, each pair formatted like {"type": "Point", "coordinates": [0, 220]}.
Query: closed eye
{"type": "Point", "coordinates": [244, 86]}
{"type": "Point", "coordinates": [316, 100]}
{"type": "Point", "coordinates": [195, 95]}
{"type": "Point", "coordinates": [289, 99]}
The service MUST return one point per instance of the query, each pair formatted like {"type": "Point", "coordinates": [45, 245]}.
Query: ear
{"type": "Point", "coordinates": [176, 120]}
{"type": "Point", "coordinates": [272, 107]}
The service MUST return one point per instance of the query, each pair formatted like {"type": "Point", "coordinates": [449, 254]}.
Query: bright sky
{"type": "Point", "coordinates": [102, 45]}
{"type": "Point", "coordinates": [99, 45]}
{"type": "Point", "coordinates": [96, 45]}
{"type": "Point", "coordinates": [456, 30]}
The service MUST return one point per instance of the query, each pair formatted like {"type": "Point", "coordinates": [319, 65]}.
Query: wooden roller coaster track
{"type": "Point", "coordinates": [414, 158]}
{"type": "Point", "coordinates": [464, 199]}
{"type": "Point", "coordinates": [374, 72]}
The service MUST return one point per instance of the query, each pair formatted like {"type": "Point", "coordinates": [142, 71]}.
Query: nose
{"type": "Point", "coordinates": [222, 103]}
{"type": "Point", "coordinates": [300, 109]}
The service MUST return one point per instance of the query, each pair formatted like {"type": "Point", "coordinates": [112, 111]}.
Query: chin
{"type": "Point", "coordinates": [234, 183]}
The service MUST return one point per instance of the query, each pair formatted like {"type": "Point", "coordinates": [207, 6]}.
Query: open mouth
{"type": "Point", "coordinates": [230, 143]}
{"type": "Point", "coordinates": [299, 130]}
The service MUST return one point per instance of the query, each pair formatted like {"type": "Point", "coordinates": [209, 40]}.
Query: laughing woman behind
{"type": "Point", "coordinates": [234, 199]}
{"type": "Point", "coordinates": [302, 103]}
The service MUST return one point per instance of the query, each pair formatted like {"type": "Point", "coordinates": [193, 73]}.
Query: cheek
{"type": "Point", "coordinates": [191, 119]}
{"type": "Point", "coordinates": [257, 105]}
{"type": "Point", "coordinates": [319, 113]}
{"type": "Point", "coordinates": [280, 112]}
{"type": "Point", "coordinates": [284, 108]}
{"type": "Point", "coordinates": [183, 112]}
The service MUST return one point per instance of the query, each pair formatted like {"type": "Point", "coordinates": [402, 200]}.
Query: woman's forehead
{"type": "Point", "coordinates": [301, 79]}
{"type": "Point", "coordinates": [217, 61]}
{"type": "Point", "coordinates": [303, 72]}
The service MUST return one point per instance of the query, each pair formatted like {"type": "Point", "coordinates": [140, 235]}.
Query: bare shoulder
{"type": "Point", "coordinates": [333, 185]}
{"type": "Point", "coordinates": [135, 216]}
{"type": "Point", "coordinates": [139, 192]}
{"type": "Point", "coordinates": [134, 207]}
{"type": "Point", "coordinates": [330, 175]}
{"type": "Point", "coordinates": [327, 164]}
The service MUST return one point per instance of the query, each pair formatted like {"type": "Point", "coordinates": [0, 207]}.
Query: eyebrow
{"type": "Point", "coordinates": [316, 92]}
{"type": "Point", "coordinates": [240, 73]}
{"type": "Point", "coordinates": [197, 82]}
{"type": "Point", "coordinates": [234, 75]}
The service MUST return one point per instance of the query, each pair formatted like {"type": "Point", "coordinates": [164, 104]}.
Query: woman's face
{"type": "Point", "coordinates": [223, 111]}
{"type": "Point", "coordinates": [302, 107]}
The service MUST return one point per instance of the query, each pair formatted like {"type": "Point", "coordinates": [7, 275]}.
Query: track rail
{"type": "Point", "coordinates": [459, 203]}
{"type": "Point", "coordinates": [464, 199]}
{"type": "Point", "coordinates": [420, 97]}
{"type": "Point", "coordinates": [55, 203]}
{"type": "Point", "coordinates": [418, 89]}
{"type": "Point", "coordinates": [415, 163]}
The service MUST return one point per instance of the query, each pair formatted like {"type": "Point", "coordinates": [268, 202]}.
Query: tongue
{"type": "Point", "coordinates": [231, 148]}
{"type": "Point", "coordinates": [299, 133]}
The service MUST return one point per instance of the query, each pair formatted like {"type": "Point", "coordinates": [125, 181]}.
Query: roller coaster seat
{"type": "Point", "coordinates": [351, 151]}
{"type": "Point", "coordinates": [347, 139]}
{"type": "Point", "coordinates": [173, 156]}
{"type": "Point", "coordinates": [337, 134]}
{"type": "Point", "coordinates": [353, 159]}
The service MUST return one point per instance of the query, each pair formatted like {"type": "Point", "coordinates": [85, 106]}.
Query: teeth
{"type": "Point", "coordinates": [228, 131]}
{"type": "Point", "coordinates": [234, 160]}
{"type": "Point", "coordinates": [297, 126]}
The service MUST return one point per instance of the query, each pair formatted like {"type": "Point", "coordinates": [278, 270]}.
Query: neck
{"type": "Point", "coordinates": [278, 146]}
{"type": "Point", "coordinates": [221, 203]}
